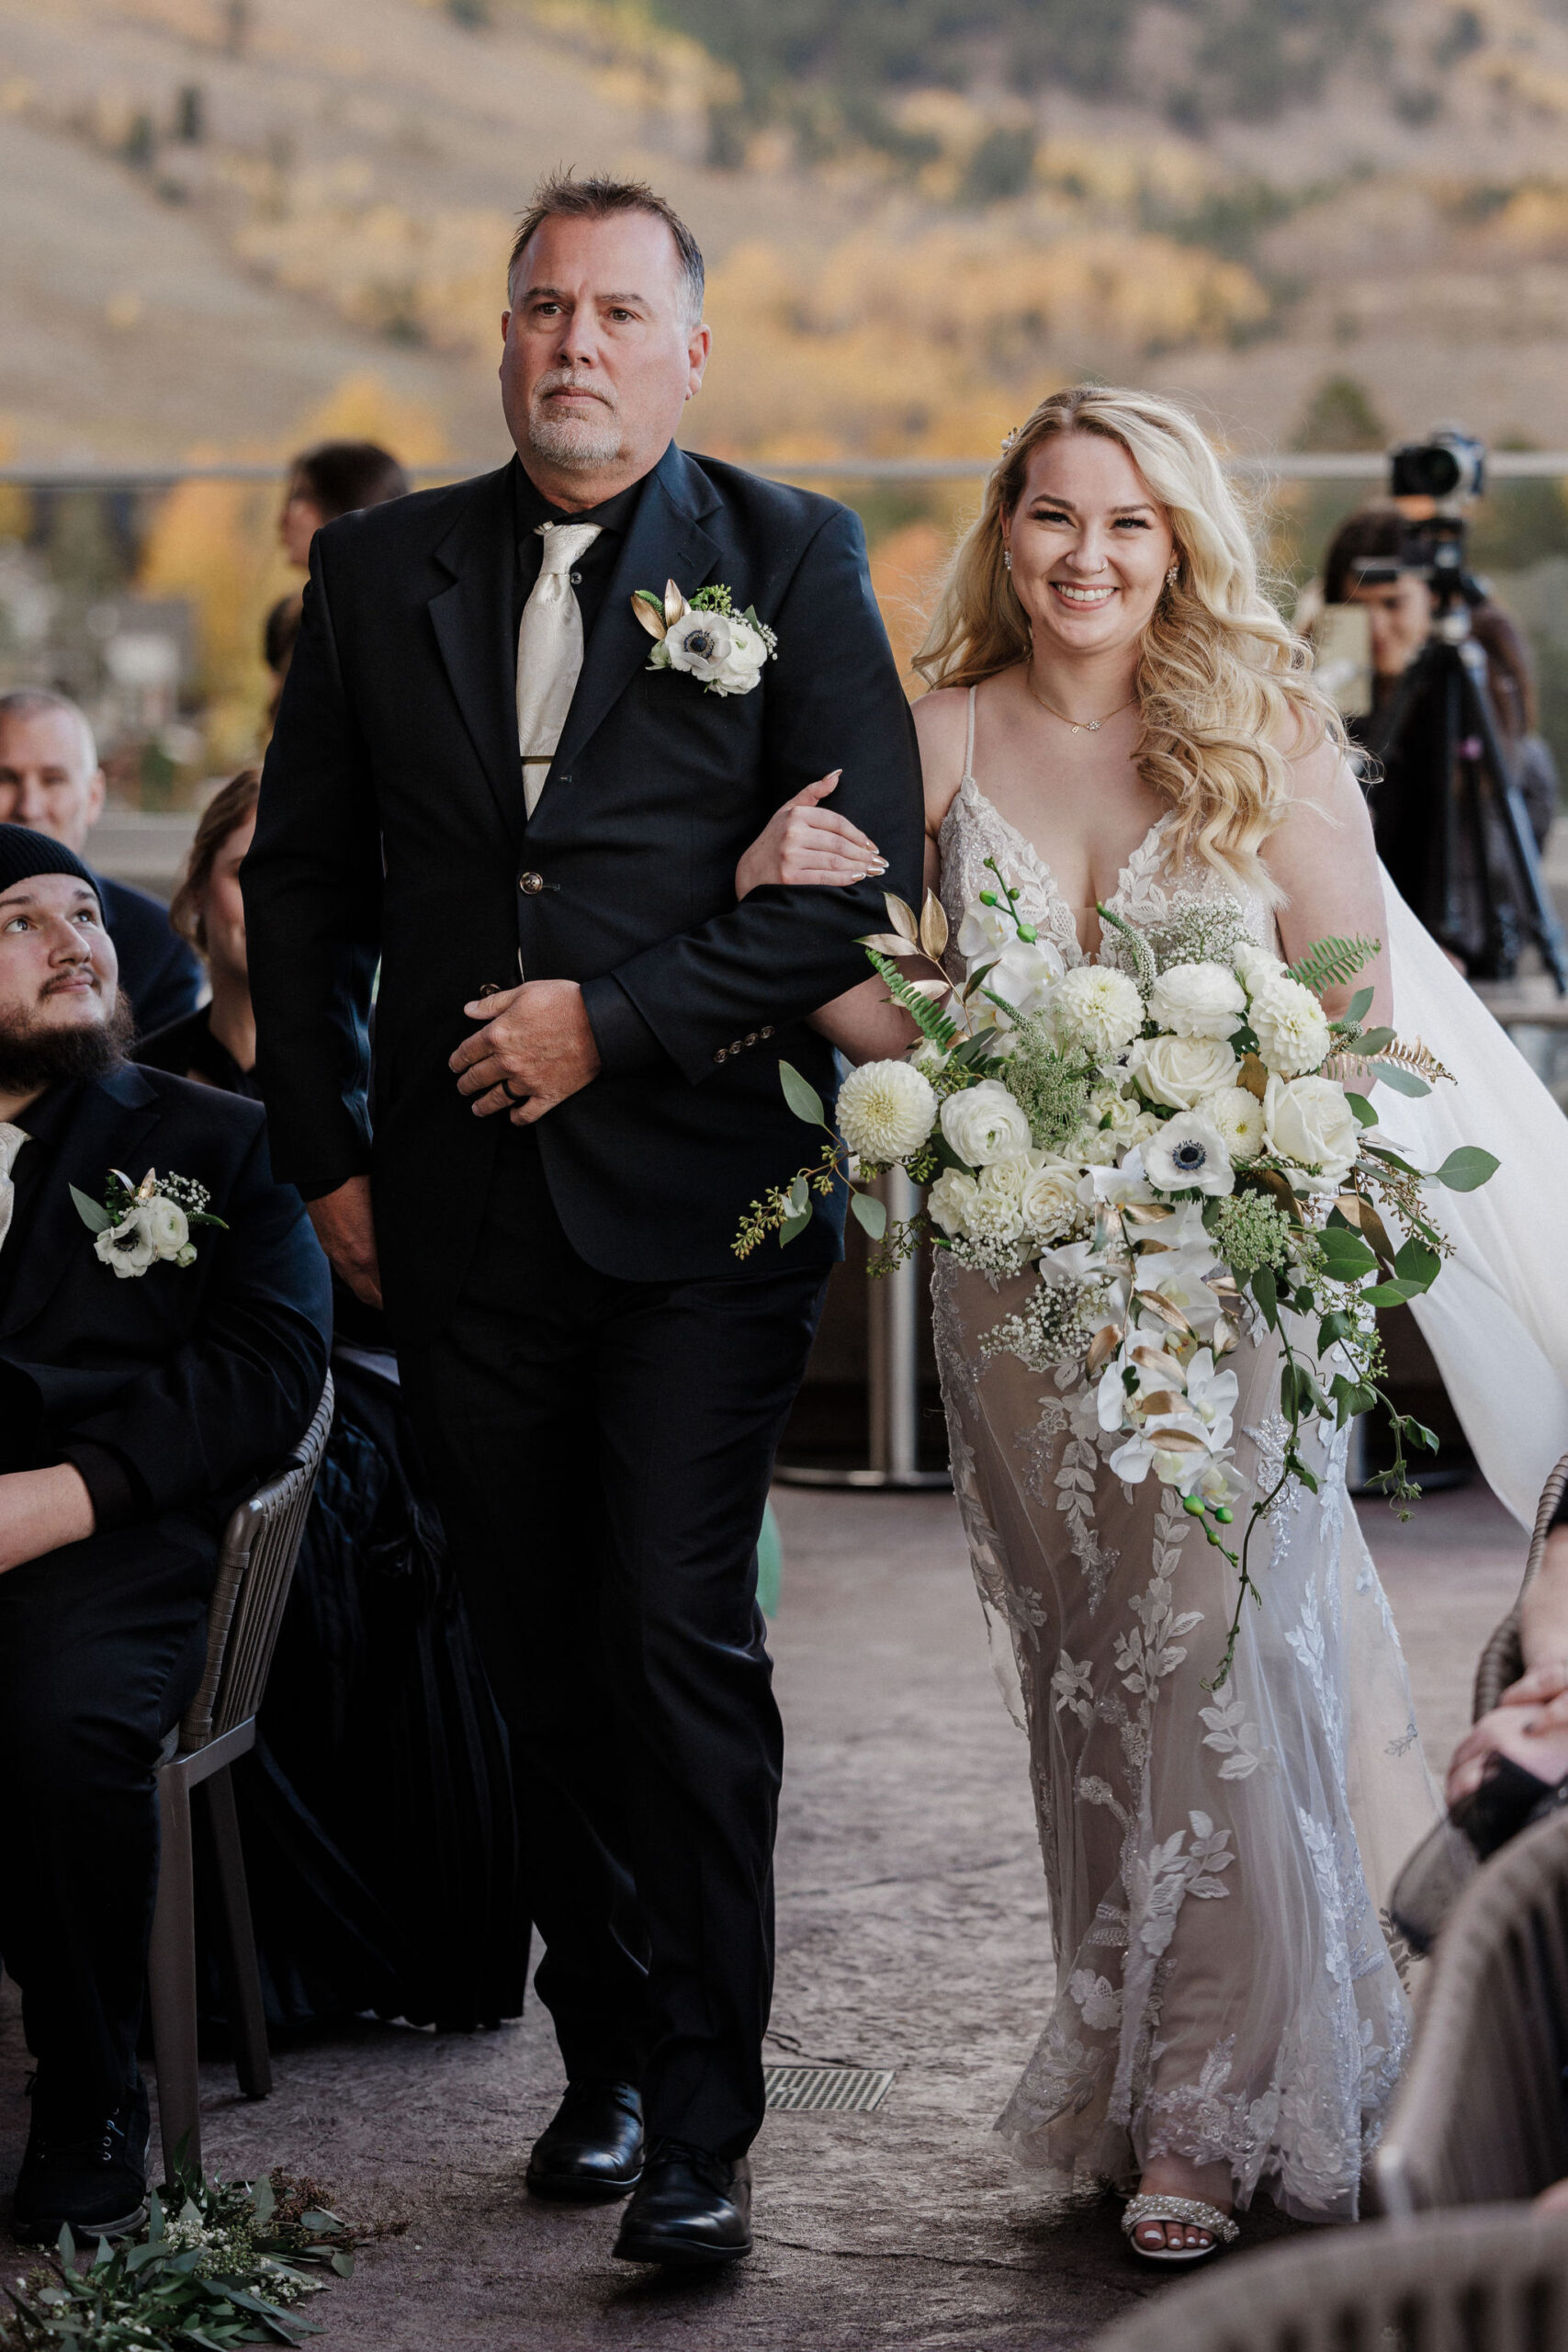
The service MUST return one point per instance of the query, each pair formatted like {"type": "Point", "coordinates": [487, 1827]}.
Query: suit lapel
{"type": "Point", "coordinates": [113, 1119]}
{"type": "Point", "coordinates": [666, 541]}
{"type": "Point", "coordinates": [472, 620]}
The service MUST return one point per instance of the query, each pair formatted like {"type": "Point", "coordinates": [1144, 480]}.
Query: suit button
{"type": "Point", "coordinates": [764, 1033]}
{"type": "Point", "coordinates": [530, 884]}
{"type": "Point", "coordinates": [722, 1055]}
{"type": "Point", "coordinates": [752, 1038]}
{"type": "Point", "coordinates": [736, 1048]}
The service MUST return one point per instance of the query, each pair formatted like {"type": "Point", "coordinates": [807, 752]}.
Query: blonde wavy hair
{"type": "Point", "coordinates": [1223, 683]}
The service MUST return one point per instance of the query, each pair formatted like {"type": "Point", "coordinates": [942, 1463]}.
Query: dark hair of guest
{"type": "Point", "coordinates": [562, 197]}
{"type": "Point", "coordinates": [339, 476]}
{"type": "Point", "coordinates": [1374, 534]}
{"type": "Point", "coordinates": [224, 814]}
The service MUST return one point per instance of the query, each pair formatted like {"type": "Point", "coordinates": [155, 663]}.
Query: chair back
{"type": "Point", "coordinates": [1479, 2116]}
{"type": "Point", "coordinates": [1489, 2281]}
{"type": "Point", "coordinates": [1501, 1661]}
{"type": "Point", "coordinates": [255, 1567]}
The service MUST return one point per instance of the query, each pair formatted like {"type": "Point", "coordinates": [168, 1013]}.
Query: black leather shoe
{"type": "Point", "coordinates": [693, 2209]}
{"type": "Point", "coordinates": [591, 2151]}
{"type": "Point", "coordinates": [91, 2172]}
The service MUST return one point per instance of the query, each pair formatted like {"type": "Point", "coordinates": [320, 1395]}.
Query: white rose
{"type": "Point", "coordinates": [1256, 967]}
{"type": "Point", "coordinates": [128, 1246]}
{"type": "Point", "coordinates": [1050, 1203]}
{"type": "Point", "coordinates": [747, 653]}
{"type": "Point", "coordinates": [1098, 1008]}
{"type": "Point", "coordinates": [1180, 1070]}
{"type": "Point", "coordinates": [951, 1201]}
{"type": "Point", "coordinates": [886, 1110]}
{"type": "Point", "coordinates": [1188, 1155]}
{"type": "Point", "coordinates": [167, 1227]}
{"type": "Point", "coordinates": [1238, 1115]}
{"type": "Point", "coordinates": [1291, 1025]}
{"type": "Point", "coordinates": [701, 643]}
{"type": "Point", "coordinates": [1198, 1001]}
{"type": "Point", "coordinates": [983, 1123]}
{"type": "Point", "coordinates": [1310, 1123]}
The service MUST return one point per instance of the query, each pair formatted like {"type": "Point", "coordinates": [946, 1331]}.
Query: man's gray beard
{"type": "Point", "coordinates": [32, 1054]}
{"type": "Point", "coordinates": [573, 443]}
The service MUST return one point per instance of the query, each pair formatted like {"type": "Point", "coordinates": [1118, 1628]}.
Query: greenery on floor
{"type": "Point", "coordinates": [221, 2263]}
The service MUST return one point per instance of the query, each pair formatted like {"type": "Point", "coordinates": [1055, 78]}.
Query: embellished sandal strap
{"type": "Point", "coordinates": [1192, 2210]}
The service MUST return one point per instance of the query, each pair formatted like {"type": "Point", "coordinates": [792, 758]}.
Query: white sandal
{"type": "Point", "coordinates": [1194, 2211]}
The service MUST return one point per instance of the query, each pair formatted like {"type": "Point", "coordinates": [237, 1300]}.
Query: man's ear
{"type": "Point", "coordinates": [97, 784]}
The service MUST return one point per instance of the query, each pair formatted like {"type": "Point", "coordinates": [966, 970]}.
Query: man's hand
{"type": "Point", "coordinates": [42, 1510]}
{"type": "Point", "coordinates": [1535, 1738]}
{"type": "Point", "coordinates": [346, 1231]}
{"type": "Point", "coordinates": [537, 1040]}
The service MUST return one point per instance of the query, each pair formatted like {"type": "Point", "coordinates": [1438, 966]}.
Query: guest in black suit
{"type": "Point", "coordinates": [478, 778]}
{"type": "Point", "coordinates": [332, 478]}
{"type": "Point", "coordinates": [375, 1808]}
{"type": "Point", "coordinates": [136, 1409]}
{"type": "Point", "coordinates": [50, 779]}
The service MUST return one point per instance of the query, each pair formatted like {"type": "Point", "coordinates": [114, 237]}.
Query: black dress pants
{"type": "Point", "coordinates": [101, 1650]}
{"type": "Point", "coordinates": [602, 1451]}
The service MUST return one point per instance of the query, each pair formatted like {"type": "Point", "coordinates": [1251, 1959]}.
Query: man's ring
{"type": "Point", "coordinates": [506, 1089]}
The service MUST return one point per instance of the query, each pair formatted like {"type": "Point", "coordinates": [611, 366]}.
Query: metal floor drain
{"type": "Point", "coordinates": [836, 2091]}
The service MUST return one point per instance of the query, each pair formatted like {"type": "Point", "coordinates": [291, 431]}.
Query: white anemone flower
{"type": "Point", "coordinates": [1188, 1155]}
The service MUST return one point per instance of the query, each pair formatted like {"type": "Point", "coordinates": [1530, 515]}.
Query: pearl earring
{"type": "Point", "coordinates": [1170, 575]}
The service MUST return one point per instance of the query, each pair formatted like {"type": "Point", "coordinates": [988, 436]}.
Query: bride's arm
{"type": "Point", "coordinates": [806, 842]}
{"type": "Point", "coordinates": [1323, 858]}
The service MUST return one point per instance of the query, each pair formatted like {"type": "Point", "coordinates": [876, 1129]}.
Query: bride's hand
{"type": "Point", "coordinates": [803, 843]}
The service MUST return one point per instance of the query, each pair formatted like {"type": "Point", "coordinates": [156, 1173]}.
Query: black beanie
{"type": "Point", "coordinates": [24, 854]}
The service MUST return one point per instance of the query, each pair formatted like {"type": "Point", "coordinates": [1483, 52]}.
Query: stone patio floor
{"type": "Point", "coordinates": [912, 1934]}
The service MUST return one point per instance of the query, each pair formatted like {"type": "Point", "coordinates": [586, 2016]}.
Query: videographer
{"type": "Point", "coordinates": [1377, 560]}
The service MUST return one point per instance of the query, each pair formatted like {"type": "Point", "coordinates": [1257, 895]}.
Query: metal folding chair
{"type": "Point", "coordinates": [1490, 2281]}
{"type": "Point", "coordinates": [255, 1567]}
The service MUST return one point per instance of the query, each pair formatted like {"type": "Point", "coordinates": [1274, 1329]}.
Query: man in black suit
{"type": "Point", "coordinates": [478, 778]}
{"type": "Point", "coordinates": [141, 1395]}
{"type": "Point", "coordinates": [51, 780]}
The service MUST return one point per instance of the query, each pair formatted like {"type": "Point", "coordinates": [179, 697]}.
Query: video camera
{"type": "Point", "coordinates": [1446, 474]}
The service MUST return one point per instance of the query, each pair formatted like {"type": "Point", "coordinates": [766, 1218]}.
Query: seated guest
{"type": "Point", "coordinates": [149, 1375]}
{"type": "Point", "coordinates": [334, 477]}
{"type": "Point", "coordinates": [50, 779]}
{"type": "Point", "coordinates": [377, 1808]}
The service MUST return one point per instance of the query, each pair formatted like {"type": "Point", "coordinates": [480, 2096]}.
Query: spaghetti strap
{"type": "Point", "coordinates": [969, 742]}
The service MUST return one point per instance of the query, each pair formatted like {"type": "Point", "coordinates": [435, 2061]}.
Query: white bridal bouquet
{"type": "Point", "coordinates": [1169, 1147]}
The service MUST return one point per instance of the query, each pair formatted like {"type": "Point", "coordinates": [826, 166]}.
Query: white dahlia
{"type": "Point", "coordinates": [1238, 1117]}
{"type": "Point", "coordinates": [886, 1110]}
{"type": "Point", "coordinates": [1098, 1008]}
{"type": "Point", "coordinates": [1291, 1027]}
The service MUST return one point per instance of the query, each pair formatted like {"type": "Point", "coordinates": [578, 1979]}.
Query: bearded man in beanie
{"type": "Point", "coordinates": [151, 1373]}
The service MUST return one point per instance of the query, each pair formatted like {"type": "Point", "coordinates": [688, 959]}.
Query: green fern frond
{"type": "Point", "coordinates": [1332, 963]}
{"type": "Point", "coordinates": [930, 1022]}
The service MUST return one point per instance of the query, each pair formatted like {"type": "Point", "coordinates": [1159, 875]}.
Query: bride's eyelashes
{"type": "Point", "coordinates": [1121, 523]}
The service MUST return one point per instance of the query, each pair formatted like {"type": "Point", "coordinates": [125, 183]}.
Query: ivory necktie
{"type": "Point", "coordinates": [549, 652]}
{"type": "Point", "coordinates": [11, 1141]}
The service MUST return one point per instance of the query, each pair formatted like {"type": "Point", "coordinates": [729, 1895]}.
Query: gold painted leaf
{"type": "Point", "coordinates": [1164, 1309]}
{"type": "Point", "coordinates": [933, 926]}
{"type": "Point", "coordinates": [675, 605]}
{"type": "Point", "coordinates": [1156, 1361]}
{"type": "Point", "coordinates": [1146, 1212]}
{"type": "Point", "coordinates": [1253, 1076]}
{"type": "Point", "coordinates": [1226, 1336]}
{"type": "Point", "coordinates": [1177, 1441]}
{"type": "Point", "coordinates": [645, 604]}
{"type": "Point", "coordinates": [1160, 1400]}
{"type": "Point", "coordinates": [1103, 1347]}
{"type": "Point", "coordinates": [902, 918]}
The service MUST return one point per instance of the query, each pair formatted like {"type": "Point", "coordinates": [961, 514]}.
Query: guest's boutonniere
{"type": "Point", "coordinates": [137, 1223]}
{"type": "Point", "coordinates": [707, 637]}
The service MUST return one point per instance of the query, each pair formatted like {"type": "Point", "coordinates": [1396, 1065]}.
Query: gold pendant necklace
{"type": "Point", "coordinates": [1073, 726]}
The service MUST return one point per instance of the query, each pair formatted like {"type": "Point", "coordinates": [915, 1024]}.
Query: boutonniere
{"type": "Point", "coordinates": [137, 1223]}
{"type": "Point", "coordinates": [707, 637]}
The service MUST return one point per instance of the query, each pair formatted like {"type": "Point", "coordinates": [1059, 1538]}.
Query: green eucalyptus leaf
{"type": "Point", "coordinates": [1344, 1255]}
{"type": "Point", "coordinates": [869, 1213]}
{"type": "Point", "coordinates": [791, 1229]}
{"type": "Point", "coordinates": [1415, 1262]}
{"type": "Point", "coordinates": [802, 1096]}
{"type": "Point", "coordinates": [1466, 1169]}
{"type": "Point", "coordinates": [1365, 1115]}
{"type": "Point", "coordinates": [94, 1216]}
{"type": "Point", "coordinates": [1265, 1291]}
{"type": "Point", "coordinates": [1402, 1082]}
{"type": "Point", "coordinates": [1356, 1011]}
{"type": "Point", "coordinates": [1393, 1294]}
{"type": "Point", "coordinates": [1373, 1041]}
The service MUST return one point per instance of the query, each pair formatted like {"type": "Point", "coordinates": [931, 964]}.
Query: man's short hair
{"type": "Point", "coordinates": [340, 477]}
{"type": "Point", "coordinates": [37, 702]}
{"type": "Point", "coordinates": [562, 197]}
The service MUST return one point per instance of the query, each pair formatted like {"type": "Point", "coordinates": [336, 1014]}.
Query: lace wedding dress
{"type": "Point", "coordinates": [1216, 1862]}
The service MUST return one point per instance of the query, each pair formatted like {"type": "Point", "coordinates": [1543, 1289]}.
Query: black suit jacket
{"type": "Point", "coordinates": [157, 971]}
{"type": "Point", "coordinates": [392, 824]}
{"type": "Point", "coordinates": [195, 1379]}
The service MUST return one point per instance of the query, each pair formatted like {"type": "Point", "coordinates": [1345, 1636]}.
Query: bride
{"type": "Point", "coordinates": [1118, 716]}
